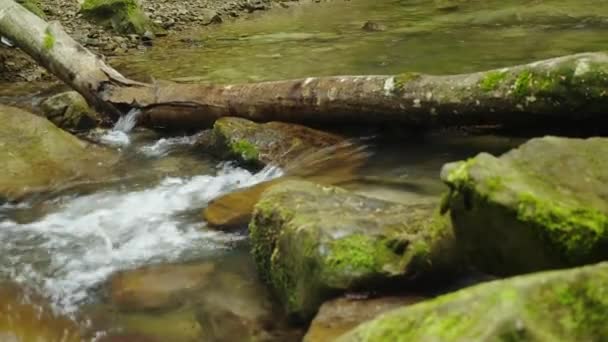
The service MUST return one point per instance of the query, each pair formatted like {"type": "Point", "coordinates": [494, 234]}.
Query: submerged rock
{"type": "Point", "coordinates": [157, 287]}
{"type": "Point", "coordinates": [372, 26]}
{"type": "Point", "coordinates": [312, 242]}
{"type": "Point", "coordinates": [568, 305]}
{"type": "Point", "coordinates": [25, 317]}
{"type": "Point", "coordinates": [124, 16]}
{"type": "Point", "coordinates": [36, 155]}
{"type": "Point", "coordinates": [543, 205]}
{"type": "Point", "coordinates": [236, 307]}
{"type": "Point", "coordinates": [274, 143]}
{"type": "Point", "coordinates": [341, 315]}
{"type": "Point", "coordinates": [70, 111]}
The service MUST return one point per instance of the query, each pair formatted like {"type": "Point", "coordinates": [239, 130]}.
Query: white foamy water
{"type": "Point", "coordinates": [69, 252]}
{"type": "Point", "coordinates": [118, 136]}
{"type": "Point", "coordinates": [164, 146]}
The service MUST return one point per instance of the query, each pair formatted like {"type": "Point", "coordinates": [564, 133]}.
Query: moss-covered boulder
{"type": "Point", "coordinates": [312, 242]}
{"type": "Point", "coordinates": [543, 205]}
{"type": "Point", "coordinates": [124, 16]}
{"type": "Point", "coordinates": [274, 143]}
{"type": "Point", "coordinates": [36, 155]}
{"type": "Point", "coordinates": [70, 111]}
{"type": "Point", "coordinates": [568, 305]}
{"type": "Point", "coordinates": [341, 315]}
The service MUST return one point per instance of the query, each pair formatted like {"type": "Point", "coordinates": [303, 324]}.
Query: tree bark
{"type": "Point", "coordinates": [561, 90]}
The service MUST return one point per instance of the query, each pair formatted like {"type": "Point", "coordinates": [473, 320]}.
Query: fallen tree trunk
{"type": "Point", "coordinates": [564, 89]}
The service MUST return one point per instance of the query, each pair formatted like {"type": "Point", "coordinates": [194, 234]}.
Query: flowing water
{"type": "Point", "coordinates": [66, 245]}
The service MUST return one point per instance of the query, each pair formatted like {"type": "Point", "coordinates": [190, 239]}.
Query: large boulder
{"type": "Point", "coordinates": [36, 155]}
{"type": "Point", "coordinates": [312, 242]}
{"type": "Point", "coordinates": [274, 143]}
{"type": "Point", "coordinates": [341, 315]}
{"type": "Point", "coordinates": [70, 111]}
{"type": "Point", "coordinates": [568, 305]}
{"type": "Point", "coordinates": [543, 205]}
{"type": "Point", "coordinates": [124, 16]}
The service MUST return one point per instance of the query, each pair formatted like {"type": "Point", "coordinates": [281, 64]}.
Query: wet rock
{"type": "Point", "coordinates": [372, 26]}
{"type": "Point", "coordinates": [124, 16]}
{"type": "Point", "coordinates": [70, 111]}
{"type": "Point", "coordinates": [447, 5]}
{"type": "Point", "coordinates": [209, 16]}
{"type": "Point", "coordinates": [178, 325]}
{"type": "Point", "coordinates": [270, 143]}
{"type": "Point", "coordinates": [26, 317]}
{"type": "Point", "coordinates": [236, 308]}
{"type": "Point", "coordinates": [157, 287]}
{"type": "Point", "coordinates": [567, 305]}
{"type": "Point", "coordinates": [233, 210]}
{"type": "Point", "coordinates": [341, 315]}
{"type": "Point", "coordinates": [312, 242]}
{"type": "Point", "coordinates": [543, 205]}
{"type": "Point", "coordinates": [36, 155]}
{"type": "Point", "coordinates": [330, 165]}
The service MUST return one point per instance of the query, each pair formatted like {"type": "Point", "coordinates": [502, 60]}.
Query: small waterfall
{"type": "Point", "coordinates": [118, 136]}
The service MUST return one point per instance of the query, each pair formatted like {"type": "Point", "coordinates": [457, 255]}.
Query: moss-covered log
{"type": "Point", "coordinates": [565, 89]}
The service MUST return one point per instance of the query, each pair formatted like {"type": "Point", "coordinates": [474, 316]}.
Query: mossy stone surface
{"type": "Point", "coordinates": [567, 305]}
{"type": "Point", "coordinates": [312, 242]}
{"type": "Point", "coordinates": [274, 143]}
{"type": "Point", "coordinates": [70, 111]}
{"type": "Point", "coordinates": [543, 205]}
{"type": "Point", "coordinates": [33, 6]}
{"type": "Point", "coordinates": [124, 16]}
{"type": "Point", "coordinates": [36, 155]}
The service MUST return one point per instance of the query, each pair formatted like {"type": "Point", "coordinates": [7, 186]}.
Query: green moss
{"type": "Point", "coordinates": [49, 40]}
{"type": "Point", "coordinates": [246, 150]}
{"type": "Point", "coordinates": [522, 84]}
{"type": "Point", "coordinates": [494, 184]}
{"type": "Point", "coordinates": [402, 79]}
{"type": "Point", "coordinates": [33, 6]}
{"type": "Point", "coordinates": [492, 80]}
{"type": "Point", "coordinates": [579, 233]}
{"type": "Point", "coordinates": [356, 253]}
{"type": "Point", "coordinates": [125, 16]}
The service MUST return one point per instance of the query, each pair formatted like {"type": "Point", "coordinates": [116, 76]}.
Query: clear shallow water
{"type": "Point", "coordinates": [327, 39]}
{"type": "Point", "coordinates": [79, 241]}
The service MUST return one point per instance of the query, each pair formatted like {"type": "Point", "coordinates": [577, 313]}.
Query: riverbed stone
{"type": "Point", "coordinates": [237, 307]}
{"type": "Point", "coordinates": [70, 111]}
{"type": "Point", "coordinates": [274, 143]}
{"type": "Point", "coordinates": [567, 305]}
{"type": "Point", "coordinates": [158, 287]}
{"type": "Point", "coordinates": [25, 316]}
{"type": "Point", "coordinates": [338, 316]}
{"type": "Point", "coordinates": [543, 205]}
{"type": "Point", "coordinates": [312, 242]}
{"type": "Point", "coordinates": [33, 6]}
{"type": "Point", "coordinates": [37, 156]}
{"type": "Point", "coordinates": [124, 16]}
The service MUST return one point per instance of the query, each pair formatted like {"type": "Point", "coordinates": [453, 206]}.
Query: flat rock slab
{"type": "Point", "coordinates": [157, 287]}
{"type": "Point", "coordinates": [568, 305]}
{"type": "Point", "coordinates": [312, 242]}
{"type": "Point", "coordinates": [543, 205]}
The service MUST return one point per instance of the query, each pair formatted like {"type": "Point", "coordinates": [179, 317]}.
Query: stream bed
{"type": "Point", "coordinates": [66, 245]}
